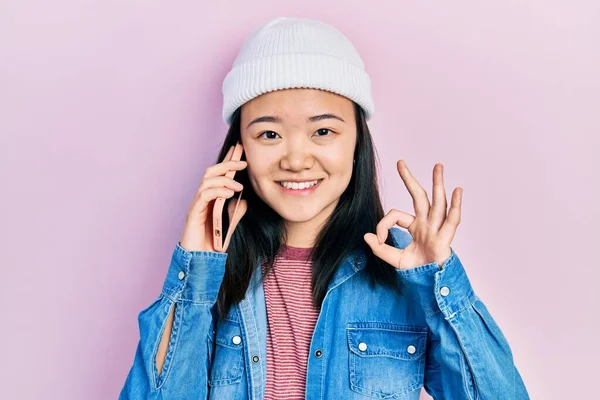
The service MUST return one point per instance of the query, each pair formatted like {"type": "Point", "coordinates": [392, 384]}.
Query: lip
{"type": "Point", "coordinates": [300, 180]}
{"type": "Point", "coordinates": [299, 192]}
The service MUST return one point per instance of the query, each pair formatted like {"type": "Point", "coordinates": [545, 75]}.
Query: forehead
{"type": "Point", "coordinates": [296, 105]}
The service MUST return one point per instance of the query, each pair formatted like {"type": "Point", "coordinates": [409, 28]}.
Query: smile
{"type": "Point", "coordinates": [305, 187]}
{"type": "Point", "coordinates": [299, 185]}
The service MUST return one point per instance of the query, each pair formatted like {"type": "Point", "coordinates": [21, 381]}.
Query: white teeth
{"type": "Point", "coordinates": [298, 185]}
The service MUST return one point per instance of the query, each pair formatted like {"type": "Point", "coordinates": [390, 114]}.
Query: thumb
{"type": "Point", "coordinates": [387, 253]}
{"type": "Point", "coordinates": [372, 241]}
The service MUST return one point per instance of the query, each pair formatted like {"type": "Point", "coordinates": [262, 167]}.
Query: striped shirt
{"type": "Point", "coordinates": [291, 319]}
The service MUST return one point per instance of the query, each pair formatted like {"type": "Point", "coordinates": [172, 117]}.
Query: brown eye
{"type": "Point", "coordinates": [323, 132]}
{"type": "Point", "coordinates": [269, 135]}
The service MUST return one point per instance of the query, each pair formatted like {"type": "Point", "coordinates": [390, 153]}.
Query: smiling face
{"type": "Point", "coordinates": [299, 145]}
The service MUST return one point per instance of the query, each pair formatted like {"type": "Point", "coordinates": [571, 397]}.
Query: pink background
{"type": "Point", "coordinates": [111, 111]}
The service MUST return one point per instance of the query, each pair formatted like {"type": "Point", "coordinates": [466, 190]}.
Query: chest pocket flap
{"type": "Point", "coordinates": [386, 360]}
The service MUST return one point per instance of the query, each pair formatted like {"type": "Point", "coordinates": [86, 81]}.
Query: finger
{"type": "Point", "coordinates": [387, 253]}
{"type": "Point", "coordinates": [393, 217]}
{"type": "Point", "coordinates": [437, 213]}
{"type": "Point", "coordinates": [419, 195]}
{"type": "Point", "coordinates": [220, 181]}
{"type": "Point", "coordinates": [229, 154]}
{"type": "Point", "coordinates": [224, 167]}
{"type": "Point", "coordinates": [208, 195]}
{"type": "Point", "coordinates": [448, 230]}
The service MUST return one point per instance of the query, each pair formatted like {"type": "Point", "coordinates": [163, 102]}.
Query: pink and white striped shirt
{"type": "Point", "coordinates": [291, 319]}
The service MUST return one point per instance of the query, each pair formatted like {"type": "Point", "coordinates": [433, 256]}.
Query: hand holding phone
{"type": "Point", "coordinates": [217, 183]}
{"type": "Point", "coordinates": [221, 239]}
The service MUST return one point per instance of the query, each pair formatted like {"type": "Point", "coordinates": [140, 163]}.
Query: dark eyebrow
{"type": "Point", "coordinates": [264, 119]}
{"type": "Point", "coordinates": [325, 116]}
{"type": "Point", "coordinates": [311, 119]}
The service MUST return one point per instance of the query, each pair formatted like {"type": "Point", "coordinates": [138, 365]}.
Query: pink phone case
{"type": "Point", "coordinates": [218, 234]}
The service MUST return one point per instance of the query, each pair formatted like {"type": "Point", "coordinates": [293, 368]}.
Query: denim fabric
{"type": "Point", "coordinates": [372, 342]}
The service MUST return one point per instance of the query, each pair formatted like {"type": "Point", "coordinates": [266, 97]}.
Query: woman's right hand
{"type": "Point", "coordinates": [198, 230]}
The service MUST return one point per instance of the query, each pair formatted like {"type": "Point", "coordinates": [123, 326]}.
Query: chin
{"type": "Point", "coordinates": [297, 215]}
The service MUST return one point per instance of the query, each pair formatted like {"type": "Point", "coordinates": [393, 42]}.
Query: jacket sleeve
{"type": "Point", "coordinates": [467, 357]}
{"type": "Point", "coordinates": [191, 285]}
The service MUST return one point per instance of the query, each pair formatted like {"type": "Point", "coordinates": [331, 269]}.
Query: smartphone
{"type": "Point", "coordinates": [220, 238]}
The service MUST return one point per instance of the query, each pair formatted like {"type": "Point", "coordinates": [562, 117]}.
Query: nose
{"type": "Point", "coordinates": [296, 158]}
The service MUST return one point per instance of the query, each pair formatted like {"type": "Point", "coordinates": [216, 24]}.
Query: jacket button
{"type": "Point", "coordinates": [318, 354]}
{"type": "Point", "coordinates": [362, 346]}
{"type": "Point", "coordinates": [236, 339]}
{"type": "Point", "coordinates": [181, 275]}
{"type": "Point", "coordinates": [445, 291]}
{"type": "Point", "coordinates": [255, 359]}
{"type": "Point", "coordinates": [411, 349]}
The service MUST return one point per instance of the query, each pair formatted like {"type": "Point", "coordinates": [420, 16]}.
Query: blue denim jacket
{"type": "Point", "coordinates": [367, 342]}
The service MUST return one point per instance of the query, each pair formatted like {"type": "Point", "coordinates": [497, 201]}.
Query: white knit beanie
{"type": "Point", "coordinates": [289, 53]}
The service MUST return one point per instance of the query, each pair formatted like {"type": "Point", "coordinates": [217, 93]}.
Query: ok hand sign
{"type": "Point", "coordinates": [431, 229]}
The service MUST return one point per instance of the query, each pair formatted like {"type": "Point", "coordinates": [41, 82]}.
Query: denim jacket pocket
{"type": "Point", "coordinates": [227, 365]}
{"type": "Point", "coordinates": [386, 360]}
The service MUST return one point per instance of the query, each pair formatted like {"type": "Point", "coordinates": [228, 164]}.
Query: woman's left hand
{"type": "Point", "coordinates": [431, 229]}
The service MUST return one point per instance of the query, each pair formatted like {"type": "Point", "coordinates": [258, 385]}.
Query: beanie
{"type": "Point", "coordinates": [287, 53]}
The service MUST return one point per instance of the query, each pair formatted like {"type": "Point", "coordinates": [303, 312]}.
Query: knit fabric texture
{"type": "Point", "coordinates": [288, 53]}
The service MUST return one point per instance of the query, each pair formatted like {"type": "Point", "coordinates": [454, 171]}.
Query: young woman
{"type": "Point", "coordinates": [318, 295]}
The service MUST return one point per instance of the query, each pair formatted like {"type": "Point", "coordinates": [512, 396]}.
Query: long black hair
{"type": "Point", "coordinates": [261, 232]}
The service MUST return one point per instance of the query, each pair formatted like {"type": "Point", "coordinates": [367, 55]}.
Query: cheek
{"type": "Point", "coordinates": [257, 163]}
{"type": "Point", "coordinates": [259, 167]}
{"type": "Point", "coordinates": [259, 172]}
{"type": "Point", "coordinates": [338, 165]}
{"type": "Point", "coordinates": [339, 157]}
